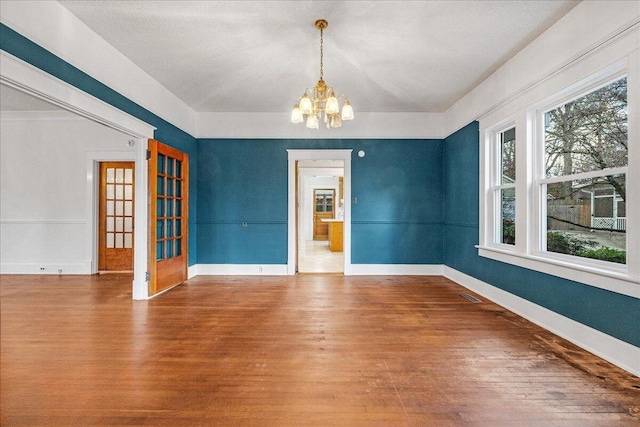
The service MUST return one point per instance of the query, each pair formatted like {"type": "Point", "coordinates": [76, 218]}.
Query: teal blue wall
{"type": "Point", "coordinates": [614, 314]}
{"type": "Point", "coordinates": [25, 49]}
{"type": "Point", "coordinates": [397, 219]}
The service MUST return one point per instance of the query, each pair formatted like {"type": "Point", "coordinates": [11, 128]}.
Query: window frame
{"type": "Point", "coordinates": [496, 185]}
{"type": "Point", "coordinates": [587, 86]}
{"type": "Point", "coordinates": [527, 115]}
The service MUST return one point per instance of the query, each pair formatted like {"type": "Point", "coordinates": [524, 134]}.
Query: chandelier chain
{"type": "Point", "coordinates": [321, 43]}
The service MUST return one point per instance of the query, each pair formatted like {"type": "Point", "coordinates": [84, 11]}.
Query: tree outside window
{"type": "Point", "coordinates": [505, 192]}
{"type": "Point", "coordinates": [586, 155]}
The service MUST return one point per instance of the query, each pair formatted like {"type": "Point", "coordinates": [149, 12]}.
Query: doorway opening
{"type": "Point", "coordinates": [28, 80]}
{"type": "Point", "coordinates": [320, 216]}
{"type": "Point", "coordinates": [319, 226]}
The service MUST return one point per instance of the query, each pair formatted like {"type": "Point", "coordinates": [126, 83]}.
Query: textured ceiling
{"type": "Point", "coordinates": [259, 56]}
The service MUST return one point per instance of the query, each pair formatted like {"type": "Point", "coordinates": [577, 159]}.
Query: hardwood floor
{"type": "Point", "coordinates": [321, 350]}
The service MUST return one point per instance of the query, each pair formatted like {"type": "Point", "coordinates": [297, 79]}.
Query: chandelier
{"type": "Point", "coordinates": [321, 103]}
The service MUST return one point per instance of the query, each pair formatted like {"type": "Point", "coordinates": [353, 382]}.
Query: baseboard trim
{"type": "Point", "coordinates": [238, 270]}
{"type": "Point", "coordinates": [620, 353]}
{"type": "Point", "coordinates": [396, 270]}
{"type": "Point", "coordinates": [281, 270]}
{"type": "Point", "coordinates": [45, 268]}
{"type": "Point", "coordinates": [192, 271]}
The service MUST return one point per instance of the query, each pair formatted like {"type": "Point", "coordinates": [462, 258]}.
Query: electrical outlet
{"type": "Point", "coordinates": [260, 269]}
{"type": "Point", "coordinates": [42, 268]}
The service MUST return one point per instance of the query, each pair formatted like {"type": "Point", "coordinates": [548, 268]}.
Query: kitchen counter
{"type": "Point", "coordinates": [336, 227]}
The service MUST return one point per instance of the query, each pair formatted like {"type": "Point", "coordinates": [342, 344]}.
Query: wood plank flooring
{"type": "Point", "coordinates": [312, 350]}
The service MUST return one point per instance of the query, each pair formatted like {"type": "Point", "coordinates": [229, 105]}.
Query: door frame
{"type": "Point", "coordinates": [94, 158]}
{"type": "Point", "coordinates": [292, 244]}
{"type": "Point", "coordinates": [25, 77]}
{"type": "Point", "coordinates": [140, 208]}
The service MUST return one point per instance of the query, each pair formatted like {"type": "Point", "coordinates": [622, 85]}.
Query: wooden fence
{"type": "Point", "coordinates": [568, 215]}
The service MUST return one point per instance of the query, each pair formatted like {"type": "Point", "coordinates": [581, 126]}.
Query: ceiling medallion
{"type": "Point", "coordinates": [321, 103]}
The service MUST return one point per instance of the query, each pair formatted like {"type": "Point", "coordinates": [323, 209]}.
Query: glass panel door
{"type": "Point", "coordinates": [168, 184]}
{"type": "Point", "coordinates": [115, 240]}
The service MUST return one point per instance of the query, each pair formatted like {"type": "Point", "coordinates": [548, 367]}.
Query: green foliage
{"type": "Point", "coordinates": [508, 232]}
{"type": "Point", "coordinates": [566, 244]}
{"type": "Point", "coordinates": [605, 253]}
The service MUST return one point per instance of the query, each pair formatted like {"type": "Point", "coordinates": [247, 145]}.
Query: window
{"type": "Point", "coordinates": [583, 183]}
{"type": "Point", "coordinates": [504, 187]}
{"type": "Point", "coordinates": [170, 182]}
{"type": "Point", "coordinates": [559, 175]}
{"type": "Point", "coordinates": [324, 200]}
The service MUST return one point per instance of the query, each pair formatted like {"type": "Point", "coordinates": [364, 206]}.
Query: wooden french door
{"type": "Point", "coordinates": [169, 207]}
{"type": "Point", "coordinates": [116, 208]}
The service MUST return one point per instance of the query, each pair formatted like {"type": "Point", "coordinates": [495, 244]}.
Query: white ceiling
{"type": "Point", "coordinates": [259, 56]}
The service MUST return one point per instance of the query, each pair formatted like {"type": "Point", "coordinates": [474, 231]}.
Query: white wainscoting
{"type": "Point", "coordinates": [46, 268]}
{"type": "Point", "coordinates": [44, 246]}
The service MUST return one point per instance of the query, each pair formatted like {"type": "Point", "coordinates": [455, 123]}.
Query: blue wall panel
{"type": "Point", "coordinates": [398, 215]}
{"type": "Point", "coordinates": [397, 218]}
{"type": "Point", "coordinates": [242, 181]}
{"type": "Point", "coordinates": [401, 181]}
{"type": "Point", "coordinates": [614, 314]}
{"type": "Point", "coordinates": [461, 177]}
{"type": "Point", "coordinates": [396, 243]}
{"type": "Point", "coordinates": [231, 243]}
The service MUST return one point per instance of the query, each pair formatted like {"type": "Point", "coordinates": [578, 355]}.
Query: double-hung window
{"type": "Point", "coordinates": [582, 146]}
{"type": "Point", "coordinates": [560, 179]}
{"type": "Point", "coordinates": [504, 185]}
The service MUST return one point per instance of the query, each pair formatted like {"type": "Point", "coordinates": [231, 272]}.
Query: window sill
{"type": "Point", "coordinates": [614, 281]}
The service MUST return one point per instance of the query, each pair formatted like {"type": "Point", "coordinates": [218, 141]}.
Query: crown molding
{"type": "Point", "coordinates": [278, 125]}
{"type": "Point", "coordinates": [38, 115]}
{"type": "Point", "coordinates": [29, 79]}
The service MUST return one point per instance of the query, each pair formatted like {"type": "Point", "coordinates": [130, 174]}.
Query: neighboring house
{"type": "Point", "coordinates": [599, 208]}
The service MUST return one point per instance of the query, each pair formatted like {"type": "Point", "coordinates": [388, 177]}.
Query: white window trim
{"type": "Point", "coordinates": [624, 279]}
{"type": "Point", "coordinates": [495, 170]}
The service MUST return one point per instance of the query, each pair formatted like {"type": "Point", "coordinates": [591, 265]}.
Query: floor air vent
{"type": "Point", "coordinates": [470, 298]}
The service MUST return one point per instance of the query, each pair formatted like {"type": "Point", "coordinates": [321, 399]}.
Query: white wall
{"type": "Point", "coordinates": [46, 190]}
